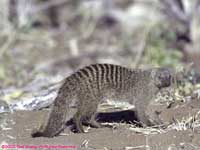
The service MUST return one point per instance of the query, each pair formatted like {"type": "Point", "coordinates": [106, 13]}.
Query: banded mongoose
{"type": "Point", "coordinates": [95, 84]}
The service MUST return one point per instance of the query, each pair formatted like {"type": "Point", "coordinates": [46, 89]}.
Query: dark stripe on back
{"type": "Point", "coordinates": [97, 72]}
{"type": "Point", "coordinates": [123, 73]}
{"type": "Point", "coordinates": [120, 81]}
{"type": "Point", "coordinates": [99, 75]}
{"type": "Point", "coordinates": [126, 75]}
{"type": "Point", "coordinates": [85, 72]}
{"type": "Point", "coordinates": [101, 78]}
{"type": "Point", "coordinates": [115, 76]}
{"type": "Point", "coordinates": [78, 76]}
{"type": "Point", "coordinates": [95, 67]}
{"type": "Point", "coordinates": [90, 72]}
{"type": "Point", "coordinates": [111, 74]}
{"type": "Point", "coordinates": [107, 73]}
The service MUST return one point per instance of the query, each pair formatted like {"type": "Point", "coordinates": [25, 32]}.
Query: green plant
{"type": "Point", "coordinates": [158, 52]}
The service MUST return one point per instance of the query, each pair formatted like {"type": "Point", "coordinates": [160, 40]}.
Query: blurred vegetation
{"type": "Point", "coordinates": [44, 38]}
{"type": "Point", "coordinates": [159, 52]}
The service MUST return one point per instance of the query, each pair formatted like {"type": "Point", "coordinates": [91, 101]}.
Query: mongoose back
{"type": "Point", "coordinates": [93, 85]}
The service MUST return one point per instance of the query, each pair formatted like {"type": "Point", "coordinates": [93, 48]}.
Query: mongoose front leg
{"type": "Point", "coordinates": [86, 112]}
{"type": "Point", "coordinates": [155, 118]}
{"type": "Point", "coordinates": [141, 115]}
{"type": "Point", "coordinates": [147, 118]}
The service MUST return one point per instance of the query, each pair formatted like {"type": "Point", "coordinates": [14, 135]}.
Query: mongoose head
{"type": "Point", "coordinates": [162, 77]}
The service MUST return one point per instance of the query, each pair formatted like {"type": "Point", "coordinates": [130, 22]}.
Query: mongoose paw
{"type": "Point", "coordinates": [36, 133]}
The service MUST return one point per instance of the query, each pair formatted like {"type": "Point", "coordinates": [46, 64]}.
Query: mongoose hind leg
{"type": "Point", "coordinates": [93, 122]}
{"type": "Point", "coordinates": [78, 119]}
{"type": "Point", "coordinates": [86, 113]}
{"type": "Point", "coordinates": [147, 118]}
{"type": "Point", "coordinates": [154, 117]}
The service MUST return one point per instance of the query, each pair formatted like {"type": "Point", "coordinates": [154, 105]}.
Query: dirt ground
{"type": "Point", "coordinates": [177, 136]}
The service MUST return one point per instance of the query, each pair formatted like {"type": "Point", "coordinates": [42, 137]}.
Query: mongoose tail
{"type": "Point", "coordinates": [57, 119]}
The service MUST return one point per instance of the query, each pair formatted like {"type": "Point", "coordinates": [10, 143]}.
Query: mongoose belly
{"type": "Point", "coordinates": [93, 85]}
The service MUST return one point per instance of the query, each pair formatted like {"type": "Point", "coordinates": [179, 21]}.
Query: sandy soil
{"type": "Point", "coordinates": [121, 136]}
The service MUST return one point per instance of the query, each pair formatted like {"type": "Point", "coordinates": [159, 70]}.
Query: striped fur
{"type": "Point", "coordinates": [103, 74]}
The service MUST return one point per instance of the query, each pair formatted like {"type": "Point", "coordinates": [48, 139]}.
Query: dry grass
{"type": "Point", "coordinates": [190, 122]}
